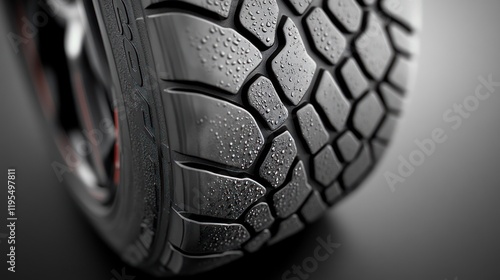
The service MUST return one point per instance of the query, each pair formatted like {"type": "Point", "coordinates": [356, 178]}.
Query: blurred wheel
{"type": "Point", "coordinates": [195, 132]}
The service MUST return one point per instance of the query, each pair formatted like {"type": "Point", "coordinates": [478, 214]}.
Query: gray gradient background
{"type": "Point", "coordinates": [442, 223]}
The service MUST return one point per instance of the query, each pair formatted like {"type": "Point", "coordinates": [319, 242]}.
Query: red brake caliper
{"type": "Point", "coordinates": [116, 173]}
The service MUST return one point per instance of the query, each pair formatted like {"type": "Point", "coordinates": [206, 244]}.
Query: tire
{"type": "Point", "coordinates": [243, 121]}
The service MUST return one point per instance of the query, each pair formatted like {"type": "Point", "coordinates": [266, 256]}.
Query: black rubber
{"type": "Point", "coordinates": [248, 119]}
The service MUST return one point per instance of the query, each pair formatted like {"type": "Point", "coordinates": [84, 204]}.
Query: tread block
{"type": "Point", "coordinates": [354, 78]}
{"type": "Point", "coordinates": [406, 11]}
{"type": "Point", "coordinates": [213, 195]}
{"type": "Point", "coordinates": [300, 5]}
{"type": "Point", "coordinates": [347, 12]}
{"type": "Point", "coordinates": [257, 242]}
{"type": "Point", "coordinates": [393, 100]}
{"type": "Point", "coordinates": [181, 263]}
{"type": "Point", "coordinates": [314, 208]}
{"type": "Point", "coordinates": [260, 18]}
{"type": "Point", "coordinates": [289, 199]}
{"type": "Point", "coordinates": [368, 114]}
{"type": "Point", "coordinates": [278, 161]}
{"type": "Point", "coordinates": [332, 101]}
{"type": "Point", "coordinates": [326, 38]}
{"type": "Point", "coordinates": [400, 74]}
{"type": "Point", "coordinates": [263, 97]}
{"type": "Point", "coordinates": [188, 48]}
{"type": "Point", "coordinates": [200, 237]}
{"type": "Point", "coordinates": [387, 128]}
{"type": "Point", "coordinates": [348, 145]}
{"type": "Point", "coordinates": [287, 228]}
{"type": "Point", "coordinates": [216, 130]}
{"type": "Point", "coordinates": [220, 7]}
{"type": "Point", "coordinates": [260, 217]}
{"type": "Point", "coordinates": [378, 149]}
{"type": "Point", "coordinates": [293, 67]}
{"type": "Point", "coordinates": [312, 128]}
{"type": "Point", "coordinates": [357, 169]}
{"type": "Point", "coordinates": [403, 40]}
{"type": "Point", "coordinates": [326, 166]}
{"type": "Point", "coordinates": [374, 48]}
{"type": "Point", "coordinates": [333, 193]}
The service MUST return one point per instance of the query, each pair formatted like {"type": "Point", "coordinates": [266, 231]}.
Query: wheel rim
{"type": "Point", "coordinates": [74, 63]}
